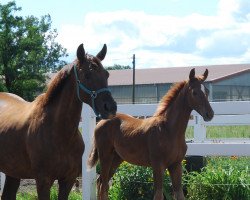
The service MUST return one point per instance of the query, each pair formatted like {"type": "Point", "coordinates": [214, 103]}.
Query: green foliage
{"type": "Point", "coordinates": [221, 179]}
{"type": "Point", "coordinates": [132, 182]}
{"type": "Point", "coordinates": [27, 52]}
{"type": "Point", "coordinates": [117, 67]}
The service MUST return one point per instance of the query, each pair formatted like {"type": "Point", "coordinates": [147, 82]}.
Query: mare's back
{"type": "Point", "coordinates": [13, 109]}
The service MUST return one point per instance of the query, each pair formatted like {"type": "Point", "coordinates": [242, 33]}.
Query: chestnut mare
{"type": "Point", "coordinates": [40, 139]}
{"type": "Point", "coordinates": [158, 141]}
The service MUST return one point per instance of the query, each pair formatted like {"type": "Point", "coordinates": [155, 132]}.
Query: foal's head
{"type": "Point", "coordinates": [198, 95]}
{"type": "Point", "coordinates": [93, 82]}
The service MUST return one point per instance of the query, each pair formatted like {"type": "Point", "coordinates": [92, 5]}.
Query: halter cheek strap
{"type": "Point", "coordinates": [93, 94]}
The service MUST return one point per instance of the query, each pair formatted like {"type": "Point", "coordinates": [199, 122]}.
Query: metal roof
{"type": "Point", "coordinates": [174, 74]}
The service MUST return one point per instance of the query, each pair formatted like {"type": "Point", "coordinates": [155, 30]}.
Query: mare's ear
{"type": "Point", "coordinates": [101, 55]}
{"type": "Point", "coordinates": [81, 53]}
{"type": "Point", "coordinates": [192, 74]}
{"type": "Point", "coordinates": [204, 76]}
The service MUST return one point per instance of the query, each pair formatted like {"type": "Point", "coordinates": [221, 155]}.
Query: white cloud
{"type": "Point", "coordinates": [164, 41]}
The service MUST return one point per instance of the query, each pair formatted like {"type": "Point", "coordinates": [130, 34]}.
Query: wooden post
{"type": "Point", "coordinates": [88, 175]}
{"type": "Point", "coordinates": [133, 87]}
{"type": "Point", "coordinates": [2, 181]}
{"type": "Point", "coordinates": [199, 129]}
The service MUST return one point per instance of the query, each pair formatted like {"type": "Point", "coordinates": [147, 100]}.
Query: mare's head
{"type": "Point", "coordinates": [198, 95]}
{"type": "Point", "coordinates": [94, 81]}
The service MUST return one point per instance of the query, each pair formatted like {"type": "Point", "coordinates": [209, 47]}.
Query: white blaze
{"type": "Point", "coordinates": [203, 89]}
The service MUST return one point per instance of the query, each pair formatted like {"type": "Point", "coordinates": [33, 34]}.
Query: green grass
{"type": "Point", "coordinates": [53, 195]}
{"type": "Point", "coordinates": [228, 132]}
{"type": "Point", "coordinates": [222, 132]}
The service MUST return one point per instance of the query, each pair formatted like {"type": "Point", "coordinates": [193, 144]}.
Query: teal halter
{"type": "Point", "coordinates": [93, 94]}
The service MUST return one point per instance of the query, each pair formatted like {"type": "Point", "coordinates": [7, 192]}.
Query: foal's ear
{"type": "Point", "coordinates": [192, 74]}
{"type": "Point", "coordinates": [81, 53]}
{"type": "Point", "coordinates": [101, 55]}
{"type": "Point", "coordinates": [204, 76]}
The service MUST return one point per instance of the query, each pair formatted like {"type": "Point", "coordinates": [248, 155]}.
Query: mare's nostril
{"type": "Point", "coordinates": [110, 107]}
{"type": "Point", "coordinates": [106, 107]}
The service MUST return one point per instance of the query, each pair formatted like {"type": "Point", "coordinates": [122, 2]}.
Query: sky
{"type": "Point", "coordinates": [161, 33]}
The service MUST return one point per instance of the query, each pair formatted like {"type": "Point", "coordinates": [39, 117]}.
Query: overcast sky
{"type": "Point", "coordinates": [161, 33]}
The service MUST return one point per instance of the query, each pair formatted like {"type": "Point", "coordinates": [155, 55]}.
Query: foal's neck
{"type": "Point", "coordinates": [177, 115]}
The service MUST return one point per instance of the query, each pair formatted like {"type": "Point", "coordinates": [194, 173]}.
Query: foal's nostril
{"type": "Point", "coordinates": [207, 115]}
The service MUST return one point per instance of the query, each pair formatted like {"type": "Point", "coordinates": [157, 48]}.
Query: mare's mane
{"type": "Point", "coordinates": [56, 84]}
{"type": "Point", "coordinates": [169, 97]}
{"type": "Point", "coordinates": [60, 78]}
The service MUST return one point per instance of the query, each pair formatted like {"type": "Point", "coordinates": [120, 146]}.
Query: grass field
{"type": "Point", "coordinates": [222, 132]}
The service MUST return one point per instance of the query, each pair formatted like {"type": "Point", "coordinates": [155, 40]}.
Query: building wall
{"type": "Point", "coordinates": [151, 93]}
{"type": "Point", "coordinates": [236, 88]}
{"type": "Point", "coordinates": [231, 89]}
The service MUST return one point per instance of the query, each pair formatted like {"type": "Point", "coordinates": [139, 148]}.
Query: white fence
{"type": "Point", "coordinates": [226, 114]}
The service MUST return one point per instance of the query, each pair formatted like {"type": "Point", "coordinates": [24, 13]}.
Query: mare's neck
{"type": "Point", "coordinates": [178, 115]}
{"type": "Point", "coordinates": [65, 109]}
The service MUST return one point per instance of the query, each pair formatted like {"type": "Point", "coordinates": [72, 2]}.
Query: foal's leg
{"type": "Point", "coordinates": [10, 188]}
{"type": "Point", "coordinates": [65, 187]}
{"type": "Point", "coordinates": [43, 185]}
{"type": "Point", "coordinates": [158, 173]}
{"type": "Point", "coordinates": [115, 164]}
{"type": "Point", "coordinates": [106, 158]}
{"type": "Point", "coordinates": [176, 174]}
{"type": "Point", "coordinates": [117, 160]}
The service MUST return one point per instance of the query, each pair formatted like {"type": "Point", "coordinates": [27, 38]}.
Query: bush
{"type": "Point", "coordinates": [133, 182]}
{"type": "Point", "coordinates": [221, 179]}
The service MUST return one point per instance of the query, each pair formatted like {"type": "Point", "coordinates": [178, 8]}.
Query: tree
{"type": "Point", "coordinates": [117, 67]}
{"type": "Point", "coordinates": [27, 52]}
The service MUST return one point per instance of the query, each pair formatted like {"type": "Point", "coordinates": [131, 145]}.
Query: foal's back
{"type": "Point", "coordinates": [129, 137]}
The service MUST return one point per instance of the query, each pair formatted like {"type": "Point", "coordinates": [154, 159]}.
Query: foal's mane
{"type": "Point", "coordinates": [169, 97]}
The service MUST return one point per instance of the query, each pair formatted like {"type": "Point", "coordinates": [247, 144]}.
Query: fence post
{"type": "Point", "coordinates": [199, 129]}
{"type": "Point", "coordinates": [88, 176]}
{"type": "Point", "coordinates": [2, 180]}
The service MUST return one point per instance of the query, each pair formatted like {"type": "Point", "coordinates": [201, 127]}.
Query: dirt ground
{"type": "Point", "coordinates": [29, 185]}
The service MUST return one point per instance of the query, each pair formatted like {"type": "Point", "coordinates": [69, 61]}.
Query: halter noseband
{"type": "Point", "coordinates": [93, 94]}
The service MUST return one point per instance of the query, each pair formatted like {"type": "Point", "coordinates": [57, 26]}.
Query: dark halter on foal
{"type": "Point", "coordinates": [93, 94]}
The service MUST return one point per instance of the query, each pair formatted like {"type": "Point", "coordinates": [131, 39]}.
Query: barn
{"type": "Point", "coordinates": [225, 82]}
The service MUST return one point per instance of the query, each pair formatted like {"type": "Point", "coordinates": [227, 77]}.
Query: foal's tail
{"type": "Point", "coordinates": [93, 156]}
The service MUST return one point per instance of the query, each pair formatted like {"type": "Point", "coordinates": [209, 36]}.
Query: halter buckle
{"type": "Point", "coordinates": [93, 94]}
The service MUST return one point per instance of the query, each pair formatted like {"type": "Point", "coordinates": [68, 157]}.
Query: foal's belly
{"type": "Point", "coordinates": [133, 154]}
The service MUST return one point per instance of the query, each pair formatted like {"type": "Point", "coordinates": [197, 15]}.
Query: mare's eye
{"type": "Point", "coordinates": [194, 93]}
